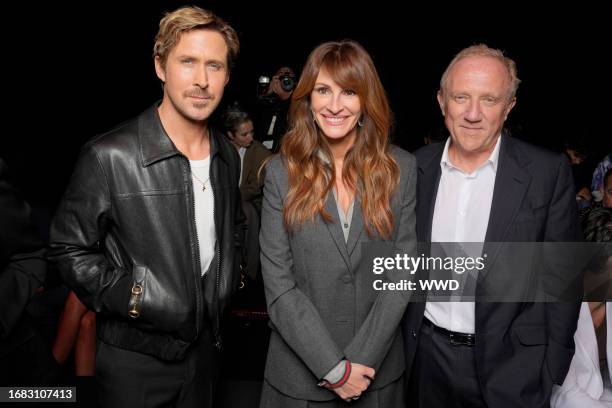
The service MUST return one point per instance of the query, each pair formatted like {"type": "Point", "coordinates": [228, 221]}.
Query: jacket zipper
{"type": "Point", "coordinates": [218, 271]}
{"type": "Point", "coordinates": [198, 272]}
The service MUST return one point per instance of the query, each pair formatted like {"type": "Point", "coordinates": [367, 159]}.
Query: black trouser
{"type": "Point", "coordinates": [131, 379]}
{"type": "Point", "coordinates": [443, 375]}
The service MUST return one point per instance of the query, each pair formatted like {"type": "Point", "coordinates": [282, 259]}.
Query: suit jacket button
{"type": "Point", "coordinates": [414, 334]}
{"type": "Point", "coordinates": [346, 279]}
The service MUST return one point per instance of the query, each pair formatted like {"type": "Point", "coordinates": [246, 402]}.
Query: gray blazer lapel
{"type": "Point", "coordinates": [335, 229]}
{"type": "Point", "coordinates": [356, 227]}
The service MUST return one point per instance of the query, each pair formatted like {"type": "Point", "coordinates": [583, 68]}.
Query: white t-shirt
{"type": "Point", "coordinates": [204, 215]}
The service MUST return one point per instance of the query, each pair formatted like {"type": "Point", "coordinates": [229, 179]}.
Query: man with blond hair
{"type": "Point", "coordinates": [148, 233]}
{"type": "Point", "coordinates": [482, 186]}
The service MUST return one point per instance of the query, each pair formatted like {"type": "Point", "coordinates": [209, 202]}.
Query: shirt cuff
{"type": "Point", "coordinates": [337, 373]}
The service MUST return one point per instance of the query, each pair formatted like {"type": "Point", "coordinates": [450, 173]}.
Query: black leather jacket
{"type": "Point", "coordinates": [126, 225]}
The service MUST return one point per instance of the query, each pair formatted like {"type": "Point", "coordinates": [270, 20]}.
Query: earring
{"type": "Point", "coordinates": [360, 122]}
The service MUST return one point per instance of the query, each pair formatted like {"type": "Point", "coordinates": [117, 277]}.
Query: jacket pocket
{"type": "Point", "coordinates": [139, 274]}
{"type": "Point", "coordinates": [531, 335]}
{"type": "Point", "coordinates": [537, 207]}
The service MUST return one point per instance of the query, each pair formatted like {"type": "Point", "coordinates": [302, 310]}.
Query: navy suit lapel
{"type": "Point", "coordinates": [511, 183]}
{"type": "Point", "coordinates": [428, 182]}
{"type": "Point", "coordinates": [428, 179]}
{"type": "Point", "coordinates": [335, 229]}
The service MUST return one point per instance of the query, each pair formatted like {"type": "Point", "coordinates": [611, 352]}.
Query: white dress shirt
{"type": "Point", "coordinates": [461, 214]}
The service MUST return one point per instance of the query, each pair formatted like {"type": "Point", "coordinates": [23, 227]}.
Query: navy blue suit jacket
{"type": "Point", "coordinates": [521, 348]}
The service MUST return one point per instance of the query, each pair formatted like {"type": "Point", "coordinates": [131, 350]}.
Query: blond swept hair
{"type": "Point", "coordinates": [483, 50]}
{"type": "Point", "coordinates": [189, 18]}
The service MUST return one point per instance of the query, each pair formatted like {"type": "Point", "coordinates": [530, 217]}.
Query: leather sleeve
{"type": "Point", "coordinates": [78, 230]}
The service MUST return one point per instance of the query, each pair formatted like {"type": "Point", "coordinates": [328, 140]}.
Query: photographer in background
{"type": "Point", "coordinates": [238, 127]}
{"type": "Point", "coordinates": [272, 107]}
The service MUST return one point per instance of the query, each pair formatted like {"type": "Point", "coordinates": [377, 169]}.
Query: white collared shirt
{"type": "Point", "coordinates": [461, 214]}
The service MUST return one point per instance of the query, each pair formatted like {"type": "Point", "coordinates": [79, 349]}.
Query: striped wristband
{"type": "Point", "coordinates": [345, 377]}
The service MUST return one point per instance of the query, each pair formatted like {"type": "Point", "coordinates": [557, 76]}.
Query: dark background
{"type": "Point", "coordinates": [74, 71]}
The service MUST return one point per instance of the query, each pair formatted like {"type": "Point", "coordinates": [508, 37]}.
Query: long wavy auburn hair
{"type": "Point", "coordinates": [369, 169]}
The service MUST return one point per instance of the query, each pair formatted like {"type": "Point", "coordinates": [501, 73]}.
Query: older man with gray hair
{"type": "Point", "coordinates": [484, 186]}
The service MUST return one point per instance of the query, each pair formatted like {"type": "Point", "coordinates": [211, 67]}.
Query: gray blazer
{"type": "Point", "coordinates": [321, 306]}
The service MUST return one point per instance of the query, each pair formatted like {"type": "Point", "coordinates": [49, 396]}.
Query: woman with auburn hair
{"type": "Point", "coordinates": [336, 184]}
